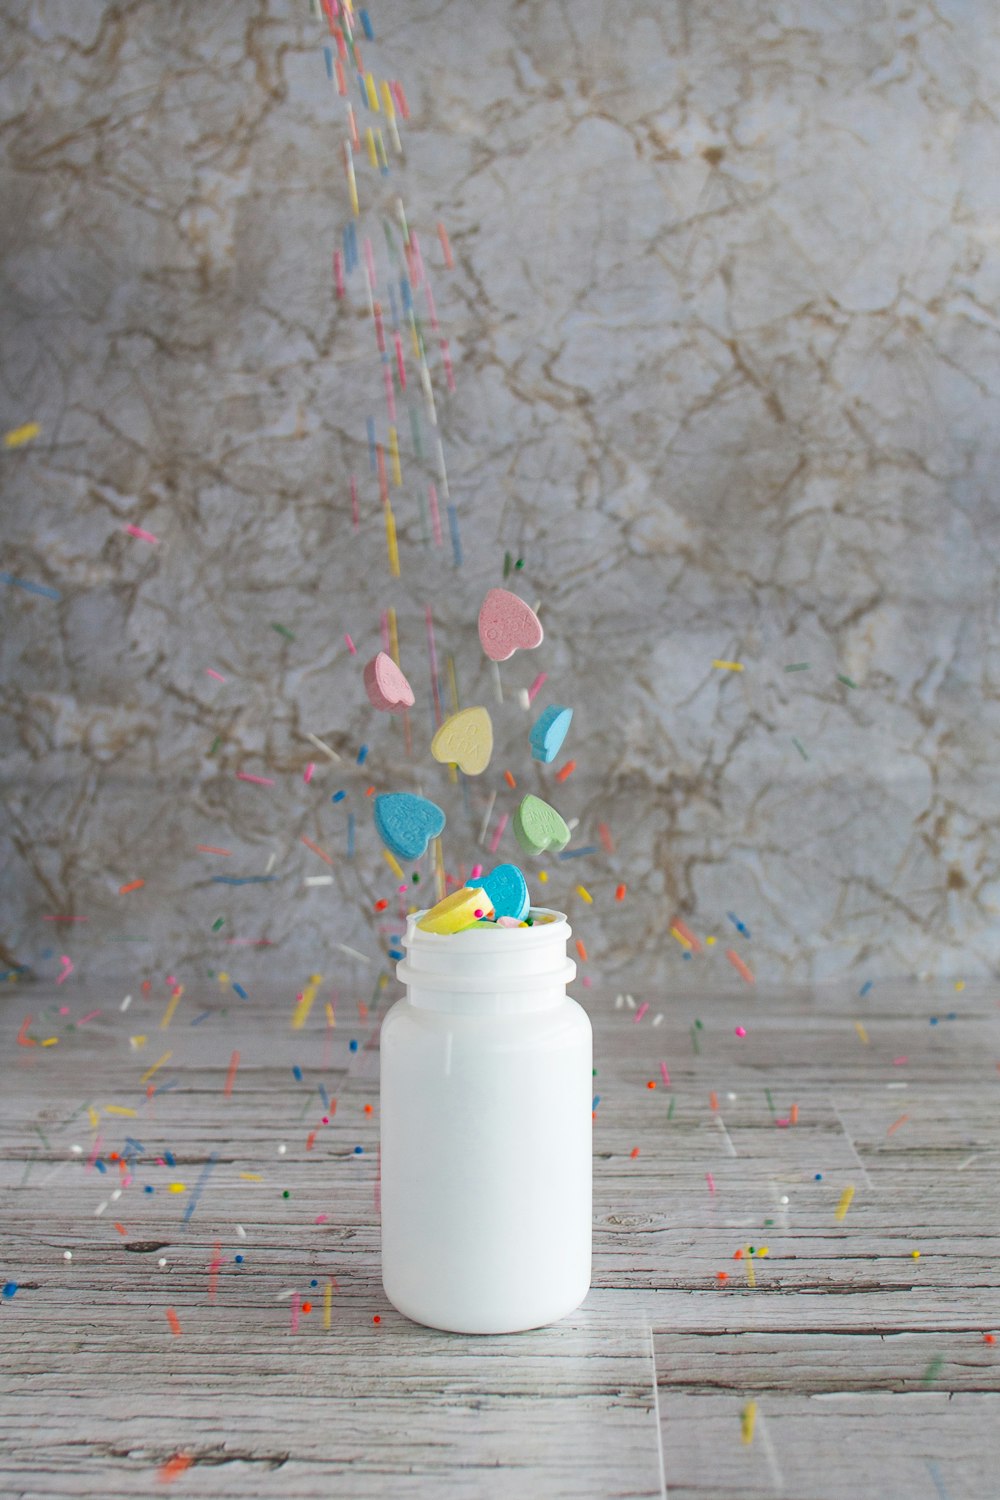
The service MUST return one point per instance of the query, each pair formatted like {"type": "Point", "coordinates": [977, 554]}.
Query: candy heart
{"type": "Point", "coordinates": [406, 824]}
{"type": "Point", "coordinates": [386, 686]}
{"type": "Point", "coordinates": [461, 909]}
{"type": "Point", "coordinates": [550, 729]}
{"type": "Point", "coordinates": [507, 891]}
{"type": "Point", "coordinates": [465, 740]}
{"type": "Point", "coordinates": [506, 625]}
{"type": "Point", "coordinates": [538, 826]}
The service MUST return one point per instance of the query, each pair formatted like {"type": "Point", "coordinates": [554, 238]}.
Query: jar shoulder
{"type": "Point", "coordinates": [568, 1020]}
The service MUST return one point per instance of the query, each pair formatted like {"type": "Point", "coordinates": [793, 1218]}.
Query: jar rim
{"type": "Point", "coordinates": [482, 939]}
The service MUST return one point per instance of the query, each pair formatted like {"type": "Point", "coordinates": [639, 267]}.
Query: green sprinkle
{"type": "Point", "coordinates": [699, 1024]}
{"type": "Point", "coordinates": [506, 564]}
{"type": "Point", "coordinates": [283, 630]}
{"type": "Point", "coordinates": [800, 748]}
{"type": "Point", "coordinates": [694, 1040]}
{"type": "Point", "coordinates": [215, 744]}
{"type": "Point", "coordinates": [845, 680]}
{"type": "Point", "coordinates": [670, 1111]}
{"type": "Point", "coordinates": [217, 923]}
{"type": "Point", "coordinates": [519, 564]}
{"type": "Point", "coordinates": [770, 1101]}
{"type": "Point", "coordinates": [933, 1370]}
{"type": "Point", "coordinates": [798, 666]}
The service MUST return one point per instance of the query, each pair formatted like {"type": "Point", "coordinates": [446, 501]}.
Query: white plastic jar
{"type": "Point", "coordinates": [486, 1132]}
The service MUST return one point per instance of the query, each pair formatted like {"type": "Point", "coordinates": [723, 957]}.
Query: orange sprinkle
{"type": "Point", "coordinates": [368, 1109]}
{"type": "Point", "coordinates": [620, 892]}
{"type": "Point", "coordinates": [211, 849]}
{"type": "Point", "coordinates": [234, 1063]}
{"type": "Point", "coordinates": [310, 1140]}
{"type": "Point", "coordinates": [449, 262]}
{"type": "Point", "coordinates": [381, 905]}
{"type": "Point", "coordinates": [651, 1084]}
{"type": "Point", "coordinates": [722, 1275]}
{"type": "Point", "coordinates": [370, 792]}
{"type": "Point", "coordinates": [376, 1319]}
{"type": "Point", "coordinates": [173, 1320]}
{"type": "Point", "coordinates": [121, 1228]}
{"type": "Point", "coordinates": [677, 926]}
{"type": "Point", "coordinates": [604, 833]}
{"type": "Point", "coordinates": [737, 1255]}
{"type": "Point", "coordinates": [566, 771]}
{"type": "Point", "coordinates": [581, 950]}
{"type": "Point", "coordinates": [739, 966]}
{"type": "Point", "coordinates": [713, 1100]}
{"type": "Point", "coordinates": [317, 850]}
{"type": "Point", "coordinates": [173, 1467]}
{"type": "Point", "coordinates": [509, 780]}
{"type": "Point", "coordinates": [793, 1114]}
{"type": "Point", "coordinates": [307, 1307]}
{"type": "Point", "coordinates": [896, 1124]}
{"type": "Point", "coordinates": [635, 1152]}
{"type": "Point", "coordinates": [136, 885]}
{"type": "Point", "coordinates": [989, 1338]}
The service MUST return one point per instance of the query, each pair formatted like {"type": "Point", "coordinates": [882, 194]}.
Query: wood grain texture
{"type": "Point", "coordinates": [868, 1365]}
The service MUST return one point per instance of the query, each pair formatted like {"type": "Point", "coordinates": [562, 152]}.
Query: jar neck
{"type": "Point", "coordinates": [487, 969]}
{"type": "Point", "coordinates": [487, 1003]}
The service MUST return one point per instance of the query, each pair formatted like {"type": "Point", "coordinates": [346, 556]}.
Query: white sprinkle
{"type": "Point", "coordinates": [100, 1209]}
{"type": "Point", "coordinates": [354, 953]}
{"type": "Point", "coordinates": [313, 740]}
{"type": "Point", "coordinates": [67, 1255]}
{"type": "Point", "coordinates": [319, 880]}
{"type": "Point", "coordinates": [523, 699]}
{"type": "Point", "coordinates": [630, 1002]}
{"type": "Point", "coordinates": [658, 1018]}
{"type": "Point", "coordinates": [783, 1199]}
{"type": "Point", "coordinates": [966, 1163]}
{"type": "Point", "coordinates": [162, 1262]}
{"type": "Point", "coordinates": [572, 824]}
{"type": "Point", "coordinates": [241, 1231]}
{"type": "Point", "coordinates": [76, 1150]}
{"type": "Point", "coordinates": [270, 863]}
{"type": "Point", "coordinates": [126, 1003]}
{"type": "Point", "coordinates": [486, 820]}
{"type": "Point", "coordinates": [116, 1195]}
{"type": "Point", "coordinates": [282, 1149]}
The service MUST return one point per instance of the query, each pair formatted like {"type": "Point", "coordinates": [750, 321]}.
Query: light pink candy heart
{"type": "Point", "coordinates": [507, 624]}
{"type": "Point", "coordinates": [386, 686]}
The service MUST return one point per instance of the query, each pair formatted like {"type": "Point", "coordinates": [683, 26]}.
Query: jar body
{"type": "Point", "coordinates": [486, 1156]}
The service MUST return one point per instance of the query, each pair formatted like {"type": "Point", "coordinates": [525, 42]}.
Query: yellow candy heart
{"type": "Point", "coordinates": [465, 740]}
{"type": "Point", "coordinates": [456, 911]}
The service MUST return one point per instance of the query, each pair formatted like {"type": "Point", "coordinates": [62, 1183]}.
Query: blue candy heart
{"type": "Point", "coordinates": [406, 824]}
{"type": "Point", "coordinates": [506, 890]}
{"type": "Point", "coordinates": [551, 728]}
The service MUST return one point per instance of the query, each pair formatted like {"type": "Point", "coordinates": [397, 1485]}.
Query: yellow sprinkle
{"type": "Point", "coordinates": [372, 93]}
{"type": "Point", "coordinates": [327, 1299]}
{"type": "Point", "coordinates": [543, 876]}
{"type": "Point", "coordinates": [729, 666]}
{"type": "Point", "coordinates": [748, 1417]}
{"type": "Point", "coordinates": [150, 1071]}
{"type": "Point", "coordinates": [439, 872]}
{"type": "Point", "coordinates": [584, 895]}
{"type": "Point", "coordinates": [393, 635]}
{"type": "Point", "coordinates": [710, 942]}
{"type": "Point", "coordinates": [390, 541]}
{"type": "Point", "coordinates": [370, 143]}
{"type": "Point", "coordinates": [680, 938]}
{"type": "Point", "coordinates": [50, 1041]}
{"type": "Point", "coordinates": [118, 1109]}
{"type": "Point", "coordinates": [168, 1014]}
{"type": "Point", "coordinates": [18, 436]}
{"type": "Point", "coordinates": [915, 1254]}
{"type": "Point", "coordinates": [95, 1118]}
{"type": "Point", "coordinates": [177, 1187]}
{"type": "Point", "coordinates": [352, 185]}
{"type": "Point", "coordinates": [223, 980]}
{"type": "Point", "coordinates": [251, 1177]}
{"type": "Point", "coordinates": [331, 1018]}
{"type": "Point", "coordinates": [137, 1043]}
{"type": "Point", "coordinates": [397, 473]}
{"type": "Point", "coordinates": [845, 1202]}
{"type": "Point", "coordinates": [387, 104]}
{"type": "Point", "coordinates": [862, 1033]}
{"type": "Point", "coordinates": [383, 155]}
{"type": "Point", "coordinates": [305, 1005]}
{"type": "Point", "coordinates": [762, 1251]}
{"type": "Point", "coordinates": [748, 1260]}
{"type": "Point", "coordinates": [960, 985]}
{"type": "Point", "coordinates": [418, 354]}
{"type": "Point", "coordinates": [393, 864]}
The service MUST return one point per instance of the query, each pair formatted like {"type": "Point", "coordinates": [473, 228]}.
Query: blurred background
{"type": "Point", "coordinates": [723, 319]}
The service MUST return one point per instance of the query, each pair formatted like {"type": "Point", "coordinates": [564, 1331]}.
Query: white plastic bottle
{"type": "Point", "coordinates": [486, 1138]}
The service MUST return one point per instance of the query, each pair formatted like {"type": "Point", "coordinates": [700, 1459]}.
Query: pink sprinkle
{"type": "Point", "coordinates": [448, 370]}
{"type": "Point", "coordinates": [67, 964]}
{"type": "Point", "coordinates": [95, 1153]}
{"type": "Point", "coordinates": [352, 648]}
{"type": "Point", "coordinates": [321, 1218]}
{"type": "Point", "coordinates": [431, 309]}
{"type": "Point", "coordinates": [307, 775]}
{"type": "Point", "coordinates": [537, 686]}
{"type": "Point", "coordinates": [587, 981]}
{"type": "Point", "coordinates": [478, 913]}
{"type": "Point", "coordinates": [741, 1031]}
{"type": "Point", "coordinates": [435, 515]}
{"type": "Point", "coordinates": [498, 835]}
{"type": "Point", "coordinates": [370, 262]}
{"type": "Point", "coordinates": [404, 108]}
{"type": "Point", "coordinates": [898, 1062]}
{"type": "Point", "coordinates": [711, 1182]}
{"type": "Point", "coordinates": [144, 536]}
{"type": "Point", "coordinates": [783, 1124]}
{"type": "Point", "coordinates": [664, 1074]}
{"type": "Point", "coordinates": [400, 365]}
{"type": "Point", "coordinates": [338, 272]}
{"type": "Point", "coordinates": [401, 890]}
{"type": "Point", "coordinates": [217, 675]}
{"type": "Point", "coordinates": [379, 329]}
{"type": "Point", "coordinates": [640, 1012]}
{"type": "Point", "coordinates": [477, 870]}
{"type": "Point", "coordinates": [295, 1312]}
{"type": "Point", "coordinates": [257, 780]}
{"type": "Point", "coordinates": [88, 1017]}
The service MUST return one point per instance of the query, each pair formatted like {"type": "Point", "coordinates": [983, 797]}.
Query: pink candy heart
{"type": "Point", "coordinates": [386, 686]}
{"type": "Point", "coordinates": [507, 624]}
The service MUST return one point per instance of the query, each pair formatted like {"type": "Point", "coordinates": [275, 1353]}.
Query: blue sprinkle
{"type": "Point", "coordinates": [199, 1186]}
{"type": "Point", "coordinates": [32, 588]}
{"type": "Point", "coordinates": [362, 755]}
{"type": "Point", "coordinates": [934, 1020]}
{"type": "Point", "coordinates": [741, 927]}
{"type": "Point", "coordinates": [166, 1087]}
{"type": "Point", "coordinates": [328, 55]}
{"type": "Point", "coordinates": [818, 1177]}
{"type": "Point", "coordinates": [370, 34]}
{"type": "Point", "coordinates": [297, 1072]}
{"type": "Point", "coordinates": [578, 853]}
{"type": "Point", "coordinates": [865, 988]}
{"type": "Point", "coordinates": [407, 295]}
{"type": "Point", "coordinates": [597, 1100]}
{"type": "Point", "coordinates": [338, 796]}
{"type": "Point", "coordinates": [198, 1019]}
{"type": "Point", "coordinates": [354, 1046]}
{"type": "Point", "coordinates": [240, 991]}
{"type": "Point", "coordinates": [359, 1150]}
{"type": "Point", "coordinates": [456, 540]}
{"type": "Point", "coordinates": [396, 953]}
{"type": "Point", "coordinates": [168, 1157]}
{"type": "Point", "coordinates": [10, 1287]}
{"type": "Point", "coordinates": [350, 835]}
{"type": "Point", "coordinates": [364, 90]}
{"type": "Point", "coordinates": [243, 879]}
{"type": "Point", "coordinates": [238, 1259]}
{"type": "Point", "coordinates": [100, 1165]}
{"type": "Point", "coordinates": [148, 1189]}
{"type": "Point", "coordinates": [324, 1096]}
{"type": "Point", "coordinates": [686, 954]}
{"type": "Point", "coordinates": [953, 1015]}
{"type": "Point", "coordinates": [314, 1282]}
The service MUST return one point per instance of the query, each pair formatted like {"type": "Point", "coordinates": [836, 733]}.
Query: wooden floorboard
{"type": "Point", "coordinates": [838, 1363]}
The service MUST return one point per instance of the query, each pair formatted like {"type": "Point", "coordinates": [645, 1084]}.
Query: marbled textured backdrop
{"type": "Point", "coordinates": [724, 319]}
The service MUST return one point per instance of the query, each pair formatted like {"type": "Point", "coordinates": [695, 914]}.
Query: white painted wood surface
{"type": "Point", "coordinates": [867, 1367]}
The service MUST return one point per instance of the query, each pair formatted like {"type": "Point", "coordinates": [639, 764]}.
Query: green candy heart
{"type": "Point", "coordinates": [538, 827]}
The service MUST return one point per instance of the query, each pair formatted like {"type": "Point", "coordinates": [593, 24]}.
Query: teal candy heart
{"type": "Point", "coordinates": [550, 729]}
{"type": "Point", "coordinates": [506, 890]}
{"type": "Point", "coordinates": [406, 824]}
{"type": "Point", "coordinates": [538, 826]}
